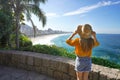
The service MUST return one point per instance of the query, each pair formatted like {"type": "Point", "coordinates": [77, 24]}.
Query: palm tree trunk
{"type": "Point", "coordinates": [34, 27]}
{"type": "Point", "coordinates": [17, 15]}
{"type": "Point", "coordinates": [17, 31]}
{"type": "Point", "coordinates": [9, 43]}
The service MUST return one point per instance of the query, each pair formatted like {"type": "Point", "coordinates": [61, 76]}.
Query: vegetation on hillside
{"type": "Point", "coordinates": [59, 51]}
{"type": "Point", "coordinates": [13, 10]}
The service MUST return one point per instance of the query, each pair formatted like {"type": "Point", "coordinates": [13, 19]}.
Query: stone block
{"type": "Point", "coordinates": [44, 70]}
{"type": "Point", "coordinates": [90, 76]}
{"type": "Point", "coordinates": [58, 75]}
{"type": "Point", "coordinates": [38, 62]}
{"type": "Point", "coordinates": [63, 67]}
{"type": "Point", "coordinates": [54, 65]}
{"type": "Point", "coordinates": [38, 69]}
{"type": "Point", "coordinates": [0, 58]}
{"type": "Point", "coordinates": [103, 76]}
{"type": "Point", "coordinates": [72, 78]}
{"type": "Point", "coordinates": [30, 60]}
{"type": "Point", "coordinates": [22, 66]}
{"type": "Point", "coordinates": [23, 59]}
{"type": "Point", "coordinates": [30, 68]}
{"type": "Point", "coordinates": [46, 63]}
{"type": "Point", "coordinates": [95, 75]}
{"type": "Point", "coordinates": [65, 76]}
{"type": "Point", "coordinates": [50, 72]}
{"type": "Point", "coordinates": [72, 72]}
{"type": "Point", "coordinates": [15, 59]}
{"type": "Point", "coordinates": [112, 74]}
{"type": "Point", "coordinates": [108, 73]}
{"type": "Point", "coordinates": [118, 76]}
{"type": "Point", "coordinates": [9, 59]}
{"type": "Point", "coordinates": [6, 59]}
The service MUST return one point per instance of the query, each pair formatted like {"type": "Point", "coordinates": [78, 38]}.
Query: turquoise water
{"type": "Point", "coordinates": [109, 46]}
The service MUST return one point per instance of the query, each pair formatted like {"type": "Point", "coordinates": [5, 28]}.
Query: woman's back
{"type": "Point", "coordinates": [83, 47]}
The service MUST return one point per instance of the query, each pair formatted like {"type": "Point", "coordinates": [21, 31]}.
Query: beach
{"type": "Point", "coordinates": [45, 39]}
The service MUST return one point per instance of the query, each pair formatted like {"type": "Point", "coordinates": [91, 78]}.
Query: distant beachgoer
{"type": "Point", "coordinates": [83, 49]}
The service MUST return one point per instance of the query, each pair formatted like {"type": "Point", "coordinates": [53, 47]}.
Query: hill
{"type": "Point", "coordinates": [27, 30]}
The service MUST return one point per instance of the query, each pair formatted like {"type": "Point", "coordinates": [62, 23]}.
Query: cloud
{"type": "Point", "coordinates": [51, 15]}
{"type": "Point", "coordinates": [90, 8]}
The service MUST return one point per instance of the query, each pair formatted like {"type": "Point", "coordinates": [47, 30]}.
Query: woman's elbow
{"type": "Point", "coordinates": [69, 43]}
{"type": "Point", "coordinates": [97, 44]}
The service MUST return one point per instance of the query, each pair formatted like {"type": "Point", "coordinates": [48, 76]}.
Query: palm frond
{"type": "Point", "coordinates": [36, 2]}
{"type": "Point", "coordinates": [39, 1]}
{"type": "Point", "coordinates": [38, 12]}
{"type": "Point", "coordinates": [44, 20]}
{"type": "Point", "coordinates": [28, 17]}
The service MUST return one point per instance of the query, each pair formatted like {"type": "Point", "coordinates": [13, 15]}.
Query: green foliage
{"type": "Point", "coordinates": [25, 41]}
{"type": "Point", "coordinates": [59, 51]}
{"type": "Point", "coordinates": [4, 24]}
{"type": "Point", "coordinates": [52, 50]}
{"type": "Point", "coordinates": [105, 62]}
{"type": "Point", "coordinates": [5, 28]}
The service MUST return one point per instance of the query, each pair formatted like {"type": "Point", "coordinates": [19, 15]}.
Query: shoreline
{"type": "Point", "coordinates": [45, 39]}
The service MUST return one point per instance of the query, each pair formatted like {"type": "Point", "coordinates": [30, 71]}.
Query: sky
{"type": "Point", "coordinates": [66, 15]}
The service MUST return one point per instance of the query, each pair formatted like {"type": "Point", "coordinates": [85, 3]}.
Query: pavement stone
{"type": "Point", "coordinates": [10, 73]}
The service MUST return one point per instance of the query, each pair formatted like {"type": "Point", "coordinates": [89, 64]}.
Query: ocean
{"type": "Point", "coordinates": [109, 46]}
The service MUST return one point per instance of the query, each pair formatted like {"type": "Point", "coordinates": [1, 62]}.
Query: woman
{"type": "Point", "coordinates": [83, 49]}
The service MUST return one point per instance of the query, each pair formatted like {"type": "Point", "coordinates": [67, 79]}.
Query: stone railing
{"type": "Point", "coordinates": [57, 67]}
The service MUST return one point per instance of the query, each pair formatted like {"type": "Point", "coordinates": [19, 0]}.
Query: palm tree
{"type": "Point", "coordinates": [27, 7]}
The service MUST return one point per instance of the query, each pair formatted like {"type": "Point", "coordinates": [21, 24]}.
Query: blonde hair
{"type": "Point", "coordinates": [87, 43]}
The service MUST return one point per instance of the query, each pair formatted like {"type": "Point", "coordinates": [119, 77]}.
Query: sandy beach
{"type": "Point", "coordinates": [45, 39]}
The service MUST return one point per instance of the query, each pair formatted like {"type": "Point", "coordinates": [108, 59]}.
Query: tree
{"type": "Point", "coordinates": [27, 7]}
{"type": "Point", "coordinates": [5, 23]}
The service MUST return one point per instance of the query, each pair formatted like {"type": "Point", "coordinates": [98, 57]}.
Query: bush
{"type": "Point", "coordinates": [105, 62]}
{"type": "Point", "coordinates": [59, 51]}
{"type": "Point", "coordinates": [52, 50]}
{"type": "Point", "coordinates": [25, 41]}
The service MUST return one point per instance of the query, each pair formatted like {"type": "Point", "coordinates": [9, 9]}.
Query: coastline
{"type": "Point", "coordinates": [45, 39]}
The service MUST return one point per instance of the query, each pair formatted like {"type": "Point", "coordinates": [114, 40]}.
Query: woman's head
{"type": "Point", "coordinates": [84, 31]}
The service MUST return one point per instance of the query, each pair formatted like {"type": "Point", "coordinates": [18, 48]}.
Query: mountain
{"type": "Point", "coordinates": [27, 30]}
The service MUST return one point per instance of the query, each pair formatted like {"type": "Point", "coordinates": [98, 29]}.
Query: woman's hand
{"type": "Point", "coordinates": [93, 33]}
{"type": "Point", "coordinates": [74, 33]}
{"type": "Point", "coordinates": [94, 36]}
{"type": "Point", "coordinates": [78, 31]}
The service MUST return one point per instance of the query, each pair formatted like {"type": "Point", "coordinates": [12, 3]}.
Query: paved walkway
{"type": "Point", "coordinates": [8, 73]}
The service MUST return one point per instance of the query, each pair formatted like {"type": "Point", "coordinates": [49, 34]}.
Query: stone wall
{"type": "Point", "coordinates": [57, 67]}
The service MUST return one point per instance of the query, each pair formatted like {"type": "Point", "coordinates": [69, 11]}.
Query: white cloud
{"type": "Point", "coordinates": [51, 15]}
{"type": "Point", "coordinates": [118, 2]}
{"type": "Point", "coordinates": [90, 8]}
